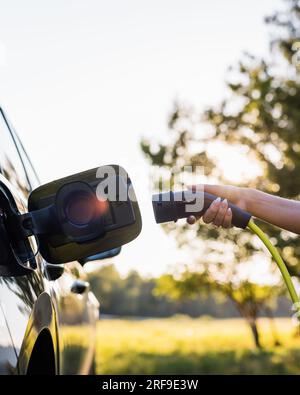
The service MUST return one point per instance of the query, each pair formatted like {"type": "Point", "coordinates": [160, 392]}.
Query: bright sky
{"type": "Point", "coordinates": [83, 81]}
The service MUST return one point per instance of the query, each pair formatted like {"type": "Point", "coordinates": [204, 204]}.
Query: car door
{"type": "Point", "coordinates": [8, 357]}
{"type": "Point", "coordinates": [76, 307]}
{"type": "Point", "coordinates": [21, 286]}
{"type": "Point", "coordinates": [77, 314]}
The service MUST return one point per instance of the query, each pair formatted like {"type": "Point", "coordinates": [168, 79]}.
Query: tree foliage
{"type": "Point", "coordinates": [133, 295]}
{"type": "Point", "coordinates": [260, 118]}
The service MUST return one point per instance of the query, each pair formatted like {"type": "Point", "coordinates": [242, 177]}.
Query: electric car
{"type": "Point", "coordinates": [48, 313]}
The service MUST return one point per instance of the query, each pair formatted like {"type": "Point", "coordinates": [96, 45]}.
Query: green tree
{"type": "Point", "coordinates": [107, 285]}
{"type": "Point", "coordinates": [129, 295]}
{"type": "Point", "coordinates": [249, 299]}
{"type": "Point", "coordinates": [133, 295]}
{"type": "Point", "coordinates": [261, 119]}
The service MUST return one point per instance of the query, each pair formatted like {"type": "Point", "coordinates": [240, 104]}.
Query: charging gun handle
{"type": "Point", "coordinates": [172, 206]}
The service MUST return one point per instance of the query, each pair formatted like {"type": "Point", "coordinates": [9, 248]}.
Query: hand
{"type": "Point", "coordinates": [219, 213]}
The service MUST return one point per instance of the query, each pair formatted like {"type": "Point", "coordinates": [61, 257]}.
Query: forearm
{"type": "Point", "coordinates": [281, 212]}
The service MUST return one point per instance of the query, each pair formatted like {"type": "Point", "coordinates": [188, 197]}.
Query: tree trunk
{"type": "Point", "coordinates": [255, 333]}
{"type": "Point", "coordinates": [273, 328]}
{"type": "Point", "coordinates": [251, 320]}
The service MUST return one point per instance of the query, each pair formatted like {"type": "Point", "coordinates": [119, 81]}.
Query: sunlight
{"type": "Point", "coordinates": [237, 165]}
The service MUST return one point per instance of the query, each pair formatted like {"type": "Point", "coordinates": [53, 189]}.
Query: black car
{"type": "Point", "coordinates": [48, 313]}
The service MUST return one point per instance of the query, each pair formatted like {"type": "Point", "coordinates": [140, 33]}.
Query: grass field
{"type": "Point", "coordinates": [196, 346]}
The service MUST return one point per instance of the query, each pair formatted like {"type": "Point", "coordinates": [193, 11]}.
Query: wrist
{"type": "Point", "coordinates": [248, 199]}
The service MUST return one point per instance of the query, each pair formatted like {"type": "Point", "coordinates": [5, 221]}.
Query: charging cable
{"type": "Point", "coordinates": [277, 257]}
{"type": "Point", "coordinates": [170, 206]}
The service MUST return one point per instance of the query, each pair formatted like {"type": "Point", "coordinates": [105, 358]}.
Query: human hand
{"type": "Point", "coordinates": [219, 212]}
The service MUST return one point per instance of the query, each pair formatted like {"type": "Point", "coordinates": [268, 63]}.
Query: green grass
{"type": "Point", "coordinates": [194, 346]}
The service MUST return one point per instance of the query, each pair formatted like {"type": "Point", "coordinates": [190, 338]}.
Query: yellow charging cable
{"type": "Point", "coordinates": [275, 254]}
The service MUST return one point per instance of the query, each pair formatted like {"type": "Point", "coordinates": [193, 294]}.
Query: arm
{"type": "Point", "coordinates": [278, 211]}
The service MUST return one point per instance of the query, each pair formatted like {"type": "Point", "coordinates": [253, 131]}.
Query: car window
{"type": "Point", "coordinates": [10, 162]}
{"type": "Point", "coordinates": [31, 174]}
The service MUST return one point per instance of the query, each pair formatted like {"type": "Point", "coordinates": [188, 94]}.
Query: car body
{"type": "Point", "coordinates": [48, 314]}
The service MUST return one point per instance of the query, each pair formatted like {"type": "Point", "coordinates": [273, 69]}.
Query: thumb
{"type": "Point", "coordinates": [218, 190]}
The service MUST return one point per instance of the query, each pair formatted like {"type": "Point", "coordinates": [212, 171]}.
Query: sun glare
{"type": "Point", "coordinates": [237, 166]}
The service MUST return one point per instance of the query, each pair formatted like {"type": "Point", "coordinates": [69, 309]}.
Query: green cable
{"type": "Point", "coordinates": [275, 254]}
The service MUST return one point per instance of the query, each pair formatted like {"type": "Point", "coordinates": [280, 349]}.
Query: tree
{"type": "Point", "coordinates": [133, 295]}
{"type": "Point", "coordinates": [250, 299]}
{"type": "Point", "coordinates": [260, 119]}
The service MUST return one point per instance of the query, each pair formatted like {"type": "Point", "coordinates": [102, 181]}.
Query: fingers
{"type": "Point", "coordinates": [227, 223]}
{"type": "Point", "coordinates": [218, 190]}
{"type": "Point", "coordinates": [218, 213]}
{"type": "Point", "coordinates": [223, 216]}
{"type": "Point", "coordinates": [211, 213]}
{"type": "Point", "coordinates": [220, 216]}
{"type": "Point", "coordinates": [210, 188]}
{"type": "Point", "coordinates": [191, 220]}
{"type": "Point", "coordinates": [233, 194]}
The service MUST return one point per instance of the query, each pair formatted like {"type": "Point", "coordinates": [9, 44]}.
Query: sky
{"type": "Point", "coordinates": [84, 81]}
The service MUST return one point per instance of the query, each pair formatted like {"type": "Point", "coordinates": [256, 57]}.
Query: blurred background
{"type": "Point", "coordinates": [170, 83]}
